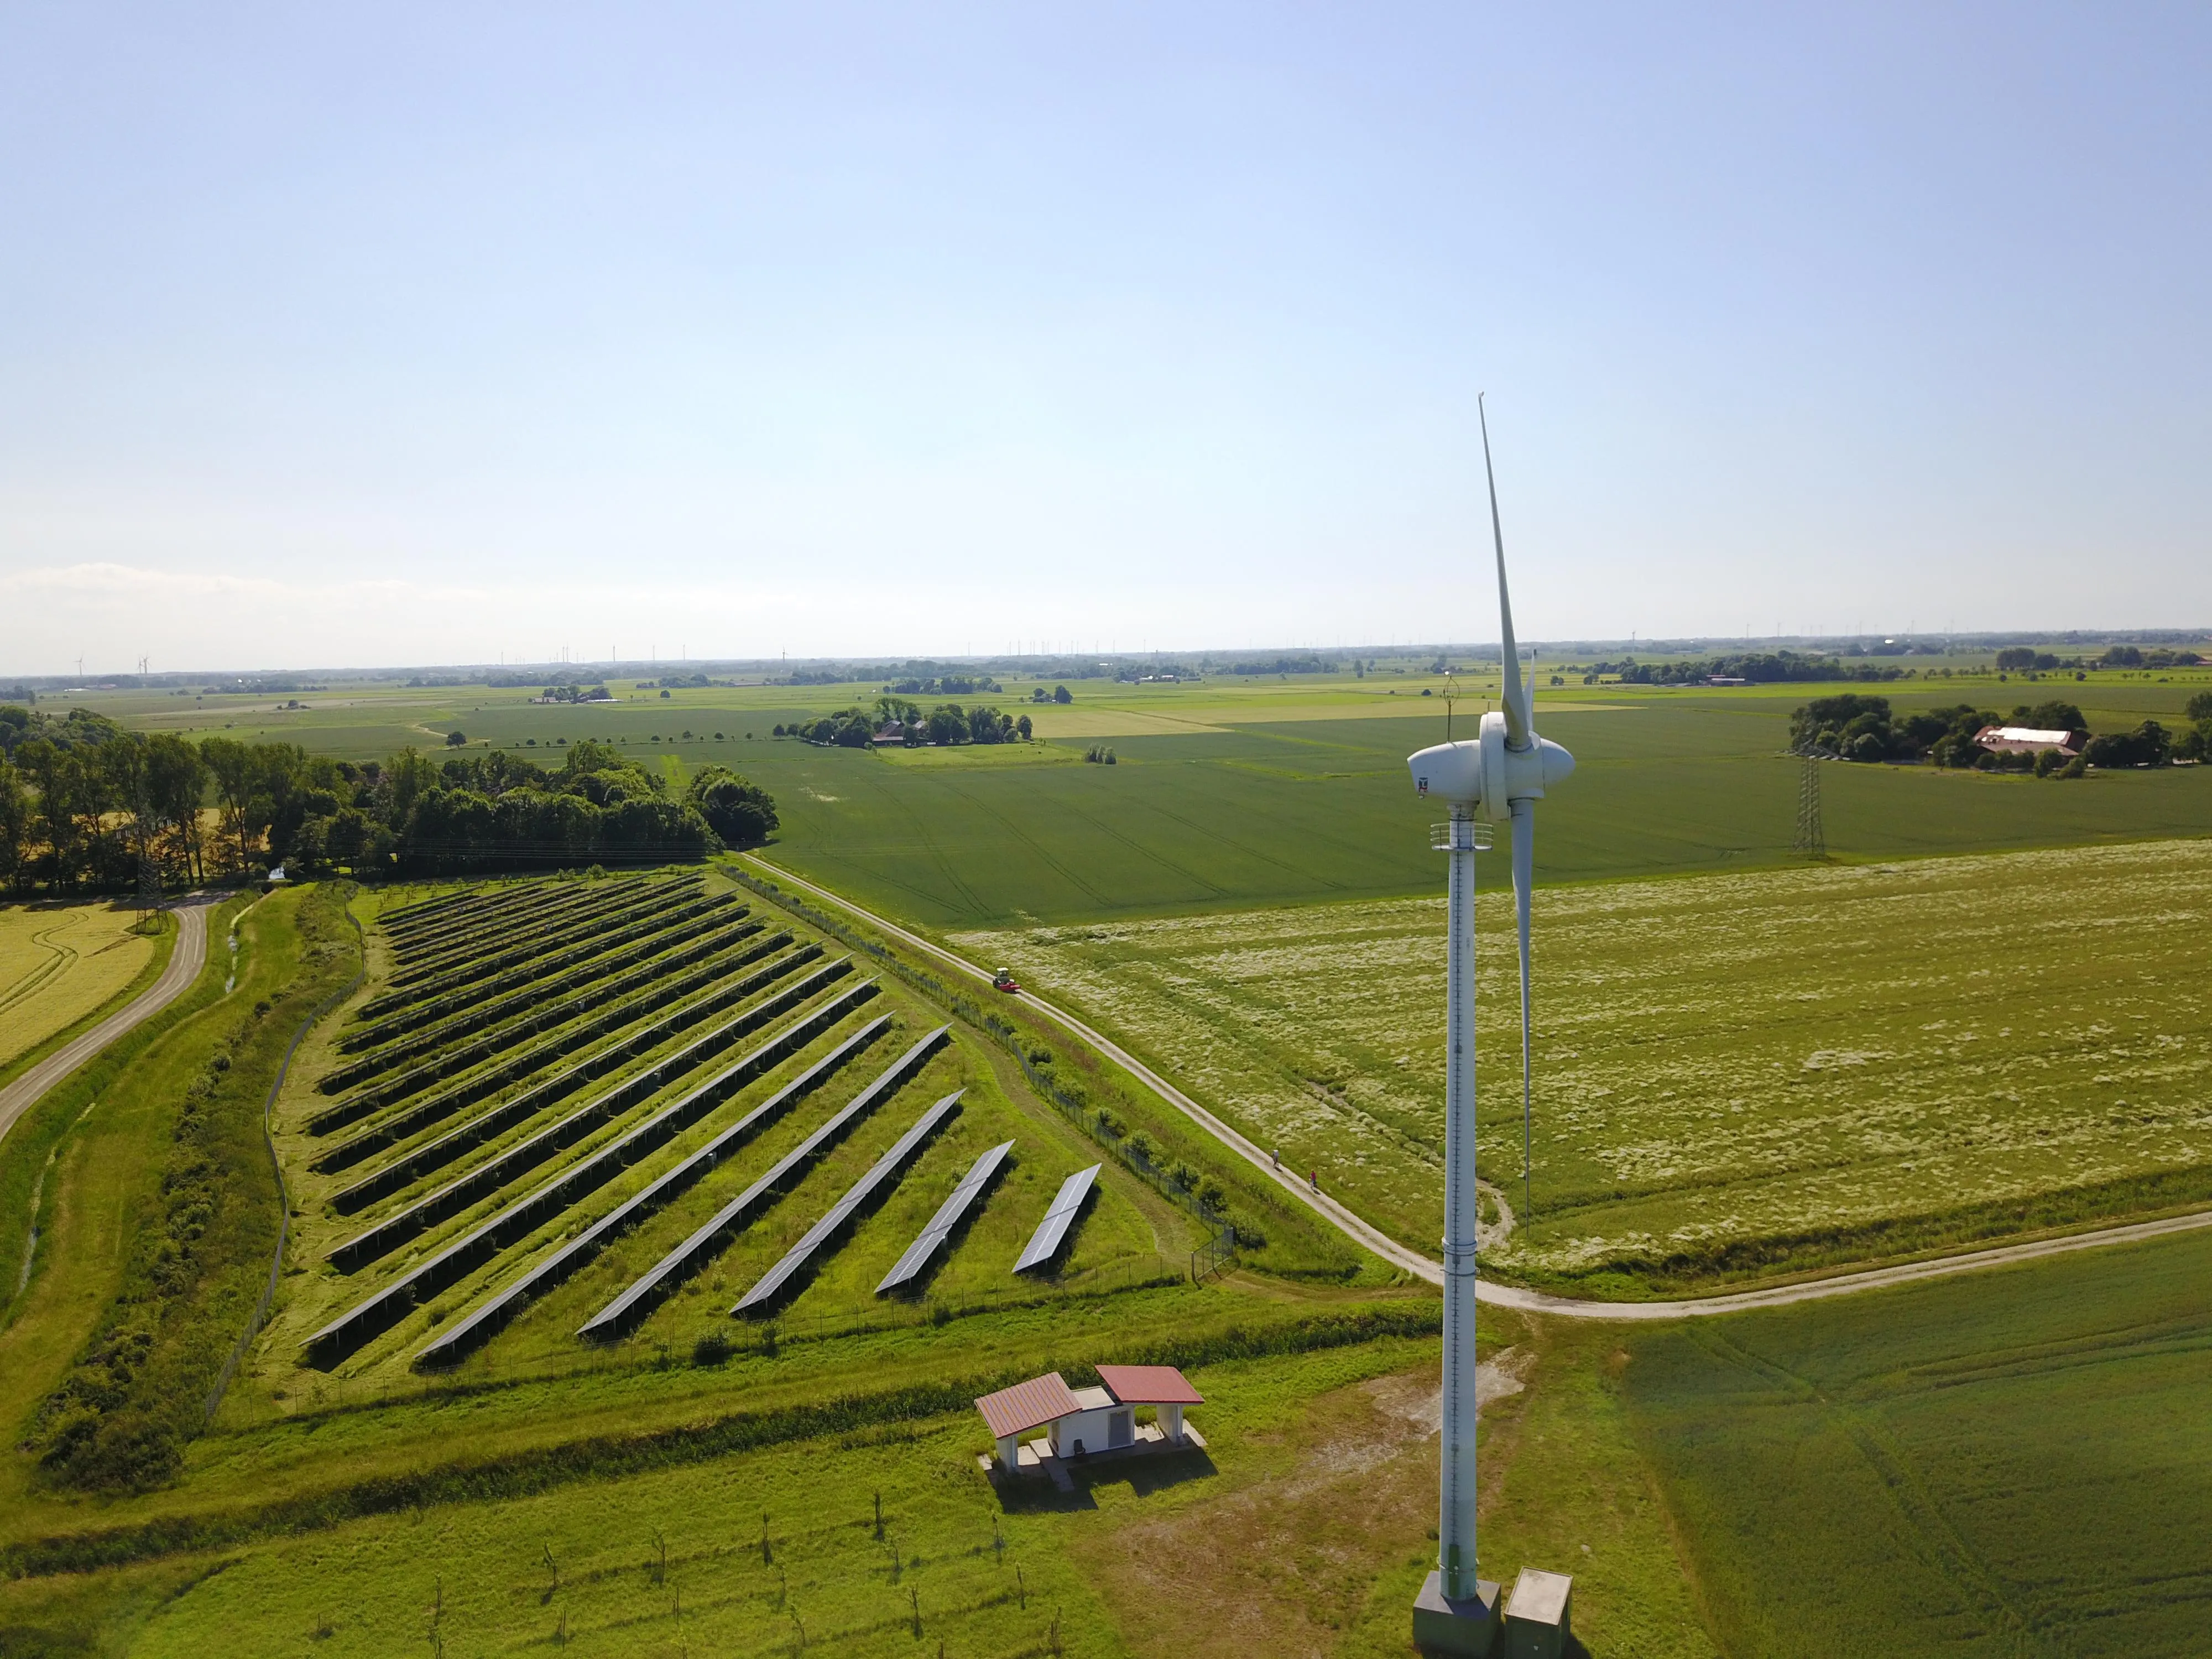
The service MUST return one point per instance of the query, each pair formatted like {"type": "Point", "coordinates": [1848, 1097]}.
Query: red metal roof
{"type": "Point", "coordinates": [1149, 1385]}
{"type": "Point", "coordinates": [1028, 1405]}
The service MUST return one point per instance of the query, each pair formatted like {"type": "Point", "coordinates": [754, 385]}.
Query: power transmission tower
{"type": "Point", "coordinates": [1812, 840]}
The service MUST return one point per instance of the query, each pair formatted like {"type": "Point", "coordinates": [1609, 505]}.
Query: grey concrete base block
{"type": "Point", "coordinates": [1465, 1626]}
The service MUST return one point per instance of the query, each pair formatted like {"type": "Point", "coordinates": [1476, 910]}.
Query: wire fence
{"type": "Point", "coordinates": [283, 1192]}
{"type": "Point", "coordinates": [1079, 1111]}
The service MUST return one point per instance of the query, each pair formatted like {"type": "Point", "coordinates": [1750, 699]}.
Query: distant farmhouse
{"type": "Point", "coordinates": [2027, 740]}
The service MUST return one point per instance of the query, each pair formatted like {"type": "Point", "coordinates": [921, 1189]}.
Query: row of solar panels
{"type": "Point", "coordinates": [629, 1309]}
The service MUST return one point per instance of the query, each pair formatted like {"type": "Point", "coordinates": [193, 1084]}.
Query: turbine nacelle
{"type": "Point", "coordinates": [1488, 772]}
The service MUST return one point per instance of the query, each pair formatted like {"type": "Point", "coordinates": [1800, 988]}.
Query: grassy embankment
{"type": "Point", "coordinates": [1975, 1467]}
{"type": "Point", "coordinates": [1304, 1529]}
{"type": "Point", "coordinates": [161, 1219]}
{"type": "Point", "coordinates": [1744, 1075]}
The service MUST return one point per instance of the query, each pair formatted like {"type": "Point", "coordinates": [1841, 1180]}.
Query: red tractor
{"type": "Point", "coordinates": [1003, 981]}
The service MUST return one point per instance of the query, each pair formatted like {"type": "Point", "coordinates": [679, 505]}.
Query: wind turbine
{"type": "Point", "coordinates": [1497, 776]}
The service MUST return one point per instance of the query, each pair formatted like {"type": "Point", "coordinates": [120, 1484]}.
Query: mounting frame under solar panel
{"type": "Point", "coordinates": [949, 1215]}
{"type": "Point", "coordinates": [889, 1167]}
{"type": "Point", "coordinates": [1052, 1232]}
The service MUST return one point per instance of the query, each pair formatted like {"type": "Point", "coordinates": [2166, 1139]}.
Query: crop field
{"type": "Point", "coordinates": [1734, 1072]}
{"type": "Point", "coordinates": [2016, 1462]}
{"type": "Point", "coordinates": [552, 1092]}
{"type": "Point", "coordinates": [1234, 793]}
{"type": "Point", "coordinates": [61, 963]}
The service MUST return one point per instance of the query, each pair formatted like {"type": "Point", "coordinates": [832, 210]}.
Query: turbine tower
{"type": "Point", "coordinates": [1496, 776]}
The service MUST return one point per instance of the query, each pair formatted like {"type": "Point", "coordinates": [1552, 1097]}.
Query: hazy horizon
{"type": "Point", "coordinates": [415, 336]}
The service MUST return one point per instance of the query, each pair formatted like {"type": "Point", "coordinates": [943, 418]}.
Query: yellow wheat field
{"type": "Point", "coordinates": [59, 962]}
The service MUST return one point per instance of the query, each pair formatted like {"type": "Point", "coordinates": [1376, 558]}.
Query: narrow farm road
{"type": "Point", "coordinates": [183, 967]}
{"type": "Point", "coordinates": [1507, 1296]}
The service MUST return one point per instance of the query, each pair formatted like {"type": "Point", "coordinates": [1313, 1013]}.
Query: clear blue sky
{"type": "Point", "coordinates": [343, 334]}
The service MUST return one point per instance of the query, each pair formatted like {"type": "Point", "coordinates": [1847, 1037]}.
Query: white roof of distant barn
{"type": "Point", "coordinates": [2029, 734]}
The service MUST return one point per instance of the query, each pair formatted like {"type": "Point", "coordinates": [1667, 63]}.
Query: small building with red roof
{"type": "Point", "coordinates": [1088, 1422]}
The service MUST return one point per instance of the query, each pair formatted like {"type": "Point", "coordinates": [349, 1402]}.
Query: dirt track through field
{"type": "Point", "coordinates": [184, 967]}
{"type": "Point", "coordinates": [1507, 1296]}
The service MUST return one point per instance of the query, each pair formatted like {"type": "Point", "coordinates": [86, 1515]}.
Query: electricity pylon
{"type": "Point", "coordinates": [1811, 840]}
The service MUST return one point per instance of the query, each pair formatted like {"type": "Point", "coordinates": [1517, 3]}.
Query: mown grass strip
{"type": "Point", "coordinates": [394, 1041]}
{"type": "Point", "coordinates": [655, 956]}
{"type": "Point", "coordinates": [772, 1287]}
{"type": "Point", "coordinates": [547, 954]}
{"type": "Point", "coordinates": [379, 1313]}
{"type": "Point", "coordinates": [484, 1321]}
{"type": "Point", "coordinates": [519, 1159]}
{"type": "Point", "coordinates": [608, 1457]}
{"type": "Point", "coordinates": [419, 1161]}
{"type": "Point", "coordinates": [618, 1052]}
{"type": "Point", "coordinates": [653, 1287]}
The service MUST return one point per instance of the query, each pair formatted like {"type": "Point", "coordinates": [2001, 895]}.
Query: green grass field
{"type": "Point", "coordinates": [1234, 793]}
{"type": "Point", "coordinates": [2016, 1462]}
{"type": "Point", "coordinates": [1750, 1072]}
{"type": "Point", "coordinates": [2008, 1462]}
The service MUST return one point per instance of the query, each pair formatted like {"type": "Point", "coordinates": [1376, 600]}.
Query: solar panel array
{"type": "Point", "coordinates": [517, 1220]}
{"type": "Point", "coordinates": [703, 1244]}
{"type": "Point", "coordinates": [1052, 1232]}
{"type": "Point", "coordinates": [949, 1215]}
{"type": "Point", "coordinates": [888, 1168]}
{"type": "Point", "coordinates": [485, 1320]}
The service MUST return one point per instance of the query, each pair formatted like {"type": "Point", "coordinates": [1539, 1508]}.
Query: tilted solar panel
{"type": "Point", "coordinates": [949, 1215]}
{"type": "Point", "coordinates": [1052, 1232]}
{"type": "Point", "coordinates": [888, 1168]}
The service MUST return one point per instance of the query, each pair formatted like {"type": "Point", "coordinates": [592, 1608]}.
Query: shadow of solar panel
{"type": "Point", "coordinates": [1052, 1232]}
{"type": "Point", "coordinates": [627, 1310]}
{"type": "Point", "coordinates": [885, 1172]}
{"type": "Point", "coordinates": [950, 1215]}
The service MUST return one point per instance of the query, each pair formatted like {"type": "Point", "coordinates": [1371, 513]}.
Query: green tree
{"type": "Point", "coordinates": [176, 784]}
{"type": "Point", "coordinates": [741, 812]}
{"type": "Point", "coordinates": [455, 738]}
{"type": "Point", "coordinates": [948, 724]}
{"type": "Point", "coordinates": [1021, 725]}
{"type": "Point", "coordinates": [1059, 694]}
{"type": "Point", "coordinates": [15, 828]}
{"type": "Point", "coordinates": [2057, 715]}
{"type": "Point", "coordinates": [2200, 707]}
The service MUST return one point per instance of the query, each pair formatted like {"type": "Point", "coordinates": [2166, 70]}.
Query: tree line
{"type": "Point", "coordinates": [1755, 667]}
{"type": "Point", "coordinates": [947, 724]}
{"type": "Point", "coordinates": [86, 806]}
{"type": "Point", "coordinates": [1854, 726]}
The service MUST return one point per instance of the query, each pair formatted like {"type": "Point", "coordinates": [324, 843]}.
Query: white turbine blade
{"type": "Point", "coordinates": [1520, 729]}
{"type": "Point", "coordinates": [1524, 878]}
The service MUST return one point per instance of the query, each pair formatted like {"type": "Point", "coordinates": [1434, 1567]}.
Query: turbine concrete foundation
{"type": "Point", "coordinates": [1459, 1626]}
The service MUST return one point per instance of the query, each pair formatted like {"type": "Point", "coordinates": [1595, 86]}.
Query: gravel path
{"type": "Point", "coordinates": [183, 967]}
{"type": "Point", "coordinates": [1506, 1295]}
